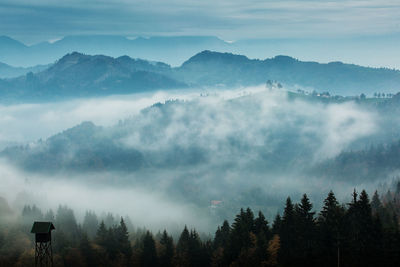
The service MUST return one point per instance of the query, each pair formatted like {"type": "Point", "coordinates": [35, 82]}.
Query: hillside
{"type": "Point", "coordinates": [211, 68]}
{"type": "Point", "coordinates": [7, 71]}
{"type": "Point", "coordinates": [79, 75]}
{"type": "Point", "coordinates": [178, 134]}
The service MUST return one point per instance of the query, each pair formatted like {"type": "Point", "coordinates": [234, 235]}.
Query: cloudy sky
{"type": "Point", "coordinates": [32, 21]}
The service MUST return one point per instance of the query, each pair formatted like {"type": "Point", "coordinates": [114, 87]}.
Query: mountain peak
{"type": "Point", "coordinates": [124, 58]}
{"type": "Point", "coordinates": [8, 42]}
{"type": "Point", "coordinates": [70, 59]}
{"type": "Point", "coordinates": [207, 56]}
{"type": "Point", "coordinates": [73, 55]}
{"type": "Point", "coordinates": [77, 57]}
{"type": "Point", "coordinates": [284, 59]}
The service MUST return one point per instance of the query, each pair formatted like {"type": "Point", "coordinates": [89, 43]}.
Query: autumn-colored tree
{"type": "Point", "coordinates": [273, 250]}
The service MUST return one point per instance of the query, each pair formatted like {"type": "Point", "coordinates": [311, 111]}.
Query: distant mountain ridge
{"type": "Point", "coordinates": [174, 49]}
{"type": "Point", "coordinates": [209, 68]}
{"type": "Point", "coordinates": [80, 75]}
{"type": "Point", "coordinates": [7, 71]}
{"type": "Point", "coordinates": [8, 44]}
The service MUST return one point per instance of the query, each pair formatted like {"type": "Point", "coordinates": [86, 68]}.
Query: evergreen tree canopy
{"type": "Point", "coordinates": [149, 254]}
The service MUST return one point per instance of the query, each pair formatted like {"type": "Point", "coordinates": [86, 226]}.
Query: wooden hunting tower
{"type": "Point", "coordinates": [43, 250]}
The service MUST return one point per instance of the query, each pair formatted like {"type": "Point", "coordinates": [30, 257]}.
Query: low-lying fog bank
{"type": "Point", "coordinates": [194, 160]}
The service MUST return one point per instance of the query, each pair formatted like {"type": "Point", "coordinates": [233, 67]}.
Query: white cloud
{"type": "Point", "coordinates": [226, 19]}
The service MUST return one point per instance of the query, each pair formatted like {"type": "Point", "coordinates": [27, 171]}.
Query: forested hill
{"type": "Point", "coordinates": [373, 163]}
{"type": "Point", "coordinates": [211, 68]}
{"type": "Point", "coordinates": [181, 134]}
{"type": "Point", "coordinates": [152, 139]}
{"type": "Point", "coordinates": [171, 49]}
{"type": "Point", "coordinates": [78, 75]}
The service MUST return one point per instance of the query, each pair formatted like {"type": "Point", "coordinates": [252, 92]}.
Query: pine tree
{"type": "Point", "coordinates": [66, 222]}
{"type": "Point", "coordinates": [239, 238]}
{"type": "Point", "coordinates": [263, 235]}
{"type": "Point", "coordinates": [304, 210]}
{"type": "Point", "coordinates": [261, 225]}
{"type": "Point", "coordinates": [366, 229]}
{"type": "Point", "coordinates": [182, 248]}
{"type": "Point", "coordinates": [330, 230]}
{"type": "Point", "coordinates": [183, 242]}
{"type": "Point", "coordinates": [167, 250]}
{"type": "Point", "coordinates": [276, 225]}
{"type": "Point", "coordinates": [287, 235]}
{"type": "Point", "coordinates": [149, 254]}
{"type": "Point", "coordinates": [220, 244]}
{"type": "Point", "coordinates": [217, 238]}
{"type": "Point", "coordinates": [305, 229]}
{"type": "Point", "coordinates": [359, 227]}
{"type": "Point", "coordinates": [122, 237]}
{"type": "Point", "coordinates": [376, 203]}
{"type": "Point", "coordinates": [225, 232]}
{"type": "Point", "coordinates": [87, 251]}
{"type": "Point", "coordinates": [111, 243]}
{"type": "Point", "coordinates": [101, 235]}
{"type": "Point", "coordinates": [195, 250]}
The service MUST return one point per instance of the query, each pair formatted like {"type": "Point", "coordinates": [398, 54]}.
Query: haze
{"type": "Point", "coordinates": [221, 137]}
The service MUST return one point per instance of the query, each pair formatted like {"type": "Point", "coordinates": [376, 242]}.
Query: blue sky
{"type": "Point", "coordinates": [32, 21]}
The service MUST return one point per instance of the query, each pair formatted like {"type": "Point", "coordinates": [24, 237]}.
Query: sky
{"type": "Point", "coordinates": [32, 21]}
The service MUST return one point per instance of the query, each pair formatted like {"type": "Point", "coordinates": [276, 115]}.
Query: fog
{"type": "Point", "coordinates": [245, 146]}
{"type": "Point", "coordinates": [146, 208]}
{"type": "Point", "coordinates": [18, 123]}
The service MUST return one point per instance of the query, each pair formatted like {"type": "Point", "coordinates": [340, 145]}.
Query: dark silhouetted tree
{"type": "Point", "coordinates": [148, 257]}
{"type": "Point", "coordinates": [122, 238]}
{"type": "Point", "coordinates": [167, 250]}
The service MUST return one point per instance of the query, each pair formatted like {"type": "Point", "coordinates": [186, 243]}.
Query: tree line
{"type": "Point", "coordinates": [362, 232]}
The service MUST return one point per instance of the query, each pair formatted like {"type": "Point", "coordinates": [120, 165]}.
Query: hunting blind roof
{"type": "Point", "coordinates": [42, 227]}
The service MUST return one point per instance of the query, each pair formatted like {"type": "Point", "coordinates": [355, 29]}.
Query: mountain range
{"type": "Point", "coordinates": [173, 50]}
{"type": "Point", "coordinates": [212, 68]}
{"type": "Point", "coordinates": [377, 51]}
{"type": "Point", "coordinates": [80, 75]}
{"type": "Point", "coordinates": [7, 71]}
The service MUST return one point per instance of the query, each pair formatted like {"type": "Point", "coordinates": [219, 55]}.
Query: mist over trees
{"type": "Point", "coordinates": [362, 232]}
{"type": "Point", "coordinates": [177, 149]}
{"type": "Point", "coordinates": [213, 134]}
{"type": "Point", "coordinates": [197, 159]}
